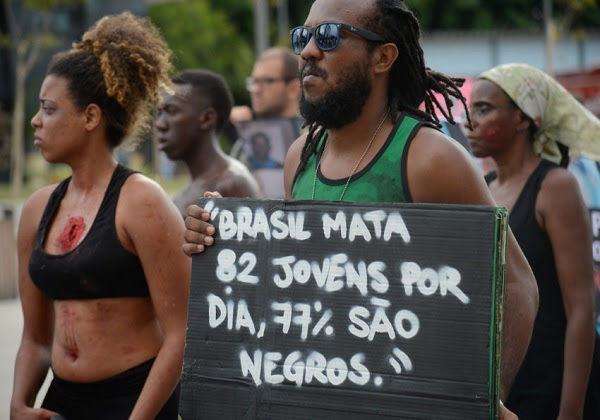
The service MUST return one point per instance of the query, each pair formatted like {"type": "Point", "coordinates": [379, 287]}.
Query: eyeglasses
{"type": "Point", "coordinates": [252, 83]}
{"type": "Point", "coordinates": [327, 35]}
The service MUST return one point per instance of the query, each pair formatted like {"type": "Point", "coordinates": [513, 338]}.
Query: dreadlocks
{"type": "Point", "coordinates": [411, 83]}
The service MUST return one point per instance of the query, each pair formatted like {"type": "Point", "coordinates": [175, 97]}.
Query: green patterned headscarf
{"type": "Point", "coordinates": [559, 117]}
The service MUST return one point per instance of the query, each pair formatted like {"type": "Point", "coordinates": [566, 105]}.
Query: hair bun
{"type": "Point", "coordinates": [121, 58]}
{"type": "Point", "coordinates": [95, 47]}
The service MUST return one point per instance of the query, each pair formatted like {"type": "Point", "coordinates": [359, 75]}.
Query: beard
{"type": "Point", "coordinates": [342, 104]}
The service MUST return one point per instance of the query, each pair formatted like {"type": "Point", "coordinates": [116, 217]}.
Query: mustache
{"type": "Point", "coordinates": [310, 68]}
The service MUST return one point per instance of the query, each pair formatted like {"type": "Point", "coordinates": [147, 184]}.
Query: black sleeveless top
{"type": "Point", "coordinates": [536, 392]}
{"type": "Point", "coordinates": [542, 368]}
{"type": "Point", "coordinates": [384, 179]}
{"type": "Point", "coordinates": [99, 267]}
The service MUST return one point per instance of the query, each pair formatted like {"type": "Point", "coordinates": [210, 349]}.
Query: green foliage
{"type": "Point", "coordinates": [219, 35]}
{"type": "Point", "coordinates": [298, 11]}
{"type": "Point", "coordinates": [502, 14]}
{"type": "Point", "coordinates": [4, 40]}
{"type": "Point", "coordinates": [581, 4]}
{"type": "Point", "coordinates": [586, 14]}
{"type": "Point", "coordinates": [49, 5]}
{"type": "Point", "coordinates": [31, 23]}
{"type": "Point", "coordinates": [204, 37]}
{"type": "Point", "coordinates": [239, 13]}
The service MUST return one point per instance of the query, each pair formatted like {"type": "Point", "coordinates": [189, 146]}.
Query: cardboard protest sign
{"type": "Point", "coordinates": [342, 310]}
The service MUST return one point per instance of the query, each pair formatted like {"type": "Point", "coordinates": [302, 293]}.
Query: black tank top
{"type": "Point", "coordinates": [542, 368]}
{"type": "Point", "coordinates": [99, 267]}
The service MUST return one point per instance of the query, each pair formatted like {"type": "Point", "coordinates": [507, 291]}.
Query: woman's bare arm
{"type": "Point", "coordinates": [565, 218]}
{"type": "Point", "coordinates": [156, 232]}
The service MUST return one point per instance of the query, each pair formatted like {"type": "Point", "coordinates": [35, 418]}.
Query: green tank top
{"type": "Point", "coordinates": [382, 180]}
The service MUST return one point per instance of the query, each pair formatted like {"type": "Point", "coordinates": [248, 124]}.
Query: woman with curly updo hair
{"type": "Point", "coordinates": [103, 281]}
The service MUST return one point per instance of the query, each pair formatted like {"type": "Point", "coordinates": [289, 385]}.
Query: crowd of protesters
{"type": "Point", "coordinates": [104, 264]}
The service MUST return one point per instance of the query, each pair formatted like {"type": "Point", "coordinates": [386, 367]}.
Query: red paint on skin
{"type": "Point", "coordinates": [69, 314]}
{"type": "Point", "coordinates": [492, 134]}
{"type": "Point", "coordinates": [102, 312]}
{"type": "Point", "coordinates": [68, 319]}
{"type": "Point", "coordinates": [71, 235]}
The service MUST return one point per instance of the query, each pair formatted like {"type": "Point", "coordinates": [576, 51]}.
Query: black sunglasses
{"type": "Point", "coordinates": [327, 35]}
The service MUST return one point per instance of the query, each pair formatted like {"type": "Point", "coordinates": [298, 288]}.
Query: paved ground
{"type": "Point", "coordinates": [11, 323]}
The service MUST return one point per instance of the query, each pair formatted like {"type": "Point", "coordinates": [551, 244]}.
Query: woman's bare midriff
{"type": "Point", "coordinates": [97, 339]}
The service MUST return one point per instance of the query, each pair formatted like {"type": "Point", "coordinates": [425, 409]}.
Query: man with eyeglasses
{"type": "Point", "coordinates": [274, 93]}
{"type": "Point", "coordinates": [363, 78]}
{"type": "Point", "coordinates": [274, 86]}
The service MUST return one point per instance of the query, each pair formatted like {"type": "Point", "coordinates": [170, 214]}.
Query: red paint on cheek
{"type": "Point", "coordinates": [491, 133]}
{"type": "Point", "coordinates": [71, 235]}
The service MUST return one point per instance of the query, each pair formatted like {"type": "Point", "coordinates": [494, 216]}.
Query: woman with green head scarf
{"type": "Point", "coordinates": [529, 125]}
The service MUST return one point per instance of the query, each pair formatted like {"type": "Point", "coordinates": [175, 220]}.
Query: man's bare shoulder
{"type": "Point", "coordinates": [236, 168]}
{"type": "Point", "coordinates": [236, 181]}
{"type": "Point", "coordinates": [292, 160]}
{"type": "Point", "coordinates": [440, 170]}
{"type": "Point", "coordinates": [431, 143]}
{"type": "Point", "coordinates": [295, 150]}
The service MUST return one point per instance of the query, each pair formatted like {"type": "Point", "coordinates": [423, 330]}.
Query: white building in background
{"type": "Point", "coordinates": [470, 53]}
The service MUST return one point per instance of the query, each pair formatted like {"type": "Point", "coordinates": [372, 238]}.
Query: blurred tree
{"type": "Point", "coordinates": [568, 18]}
{"type": "Point", "coordinates": [502, 14]}
{"type": "Point", "coordinates": [203, 36]}
{"type": "Point", "coordinates": [219, 35]}
{"type": "Point", "coordinates": [298, 11]}
{"type": "Point", "coordinates": [239, 13]}
{"type": "Point", "coordinates": [579, 14]}
{"type": "Point", "coordinates": [30, 31]}
{"type": "Point", "coordinates": [444, 15]}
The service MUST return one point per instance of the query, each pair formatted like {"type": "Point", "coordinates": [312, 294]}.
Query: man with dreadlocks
{"type": "Point", "coordinates": [363, 79]}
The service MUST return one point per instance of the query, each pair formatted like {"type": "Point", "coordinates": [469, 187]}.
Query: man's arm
{"type": "Point", "coordinates": [440, 171]}
{"type": "Point", "coordinates": [239, 186]}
